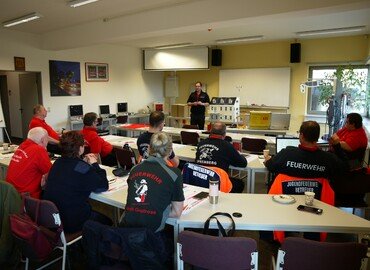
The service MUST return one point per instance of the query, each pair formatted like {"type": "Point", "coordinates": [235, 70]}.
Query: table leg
{"type": "Point", "coordinates": [249, 176]}
{"type": "Point", "coordinates": [252, 181]}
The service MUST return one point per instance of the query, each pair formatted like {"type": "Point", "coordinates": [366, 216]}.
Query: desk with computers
{"type": "Point", "coordinates": [76, 114]}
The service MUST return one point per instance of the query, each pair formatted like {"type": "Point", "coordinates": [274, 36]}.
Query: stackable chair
{"type": "Point", "coordinates": [190, 126]}
{"type": "Point", "coordinates": [283, 185]}
{"type": "Point", "coordinates": [351, 189]}
{"type": "Point", "coordinates": [253, 145]}
{"type": "Point", "coordinates": [189, 138]}
{"type": "Point", "coordinates": [303, 254]}
{"type": "Point", "coordinates": [122, 119]}
{"type": "Point", "coordinates": [212, 252]}
{"type": "Point", "coordinates": [192, 173]}
{"type": "Point", "coordinates": [49, 218]}
{"type": "Point", "coordinates": [126, 158]}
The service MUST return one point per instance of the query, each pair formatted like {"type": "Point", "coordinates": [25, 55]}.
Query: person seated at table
{"type": "Point", "coordinates": [97, 144]}
{"type": "Point", "coordinates": [308, 160]}
{"type": "Point", "coordinates": [156, 124]}
{"type": "Point", "coordinates": [71, 180]}
{"type": "Point", "coordinates": [352, 138]}
{"type": "Point", "coordinates": [155, 191]}
{"type": "Point", "coordinates": [215, 151]}
{"type": "Point", "coordinates": [38, 120]}
{"type": "Point", "coordinates": [30, 163]}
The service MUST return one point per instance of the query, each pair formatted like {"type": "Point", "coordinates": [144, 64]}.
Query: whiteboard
{"type": "Point", "coordinates": [259, 86]}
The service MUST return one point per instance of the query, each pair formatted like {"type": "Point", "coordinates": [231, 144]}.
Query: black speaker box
{"type": "Point", "coordinates": [216, 57]}
{"type": "Point", "coordinates": [295, 53]}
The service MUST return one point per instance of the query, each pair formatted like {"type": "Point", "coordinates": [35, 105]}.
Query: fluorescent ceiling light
{"type": "Point", "coordinates": [241, 39]}
{"type": "Point", "coordinates": [23, 19]}
{"type": "Point", "coordinates": [78, 3]}
{"type": "Point", "coordinates": [173, 46]}
{"type": "Point", "coordinates": [331, 31]}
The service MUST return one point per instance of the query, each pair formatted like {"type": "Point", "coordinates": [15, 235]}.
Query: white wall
{"type": "Point", "coordinates": [127, 81]}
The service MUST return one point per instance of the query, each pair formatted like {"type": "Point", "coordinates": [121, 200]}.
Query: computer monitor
{"type": "Point", "coordinates": [283, 142]}
{"type": "Point", "coordinates": [122, 107]}
{"type": "Point", "coordinates": [75, 111]}
{"type": "Point", "coordinates": [104, 110]}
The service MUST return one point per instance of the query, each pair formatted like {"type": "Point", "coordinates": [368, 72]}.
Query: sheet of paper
{"type": "Point", "coordinates": [190, 202]}
{"type": "Point", "coordinates": [116, 183]}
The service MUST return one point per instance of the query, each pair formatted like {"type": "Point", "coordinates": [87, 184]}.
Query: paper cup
{"type": "Point", "coordinates": [309, 198]}
{"type": "Point", "coordinates": [5, 146]}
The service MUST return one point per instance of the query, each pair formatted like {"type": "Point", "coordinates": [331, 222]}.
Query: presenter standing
{"type": "Point", "coordinates": [198, 100]}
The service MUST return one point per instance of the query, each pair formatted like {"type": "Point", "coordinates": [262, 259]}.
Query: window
{"type": "Point", "coordinates": [355, 88]}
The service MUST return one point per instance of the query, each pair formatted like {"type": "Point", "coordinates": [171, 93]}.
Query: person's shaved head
{"type": "Point", "coordinates": [218, 128]}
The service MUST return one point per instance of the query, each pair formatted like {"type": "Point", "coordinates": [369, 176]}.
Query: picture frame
{"type": "Point", "coordinates": [19, 63]}
{"type": "Point", "coordinates": [65, 78]}
{"type": "Point", "coordinates": [96, 72]}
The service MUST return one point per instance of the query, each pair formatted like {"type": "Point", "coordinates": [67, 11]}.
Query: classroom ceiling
{"type": "Point", "coordinates": [150, 23]}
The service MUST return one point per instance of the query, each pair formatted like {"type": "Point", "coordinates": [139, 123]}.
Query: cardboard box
{"type": "Point", "coordinates": [181, 110]}
{"type": "Point", "coordinates": [259, 120]}
{"type": "Point", "coordinates": [174, 110]}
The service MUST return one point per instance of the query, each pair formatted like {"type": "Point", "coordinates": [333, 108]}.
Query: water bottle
{"type": "Point", "coordinates": [213, 190]}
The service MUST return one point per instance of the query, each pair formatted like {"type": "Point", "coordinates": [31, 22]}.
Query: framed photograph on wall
{"type": "Point", "coordinates": [96, 72]}
{"type": "Point", "coordinates": [65, 78]}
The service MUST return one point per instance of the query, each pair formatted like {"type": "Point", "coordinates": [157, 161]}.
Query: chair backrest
{"type": "Point", "coordinates": [189, 138]}
{"type": "Point", "coordinates": [253, 145]}
{"type": "Point", "coordinates": [303, 254]}
{"type": "Point", "coordinates": [100, 121]}
{"type": "Point", "coordinates": [190, 126]}
{"type": "Point", "coordinates": [212, 252]}
{"type": "Point", "coordinates": [48, 212]}
{"type": "Point", "coordinates": [122, 119]}
{"type": "Point", "coordinates": [126, 158]}
{"type": "Point", "coordinates": [356, 158]}
{"type": "Point", "coordinates": [283, 185]}
{"type": "Point", "coordinates": [197, 175]}
{"type": "Point", "coordinates": [321, 187]}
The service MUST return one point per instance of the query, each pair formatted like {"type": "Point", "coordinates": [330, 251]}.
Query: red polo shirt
{"type": "Point", "coordinates": [354, 138]}
{"type": "Point", "coordinates": [96, 143]}
{"type": "Point", "coordinates": [28, 164]}
{"type": "Point", "coordinates": [37, 122]}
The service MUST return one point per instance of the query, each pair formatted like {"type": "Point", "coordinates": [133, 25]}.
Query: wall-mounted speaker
{"type": "Point", "coordinates": [295, 53]}
{"type": "Point", "coordinates": [216, 57]}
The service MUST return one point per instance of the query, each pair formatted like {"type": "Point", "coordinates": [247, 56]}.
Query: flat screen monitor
{"type": "Point", "coordinates": [122, 107]}
{"type": "Point", "coordinates": [75, 110]}
{"type": "Point", "coordinates": [104, 109]}
{"type": "Point", "coordinates": [283, 142]}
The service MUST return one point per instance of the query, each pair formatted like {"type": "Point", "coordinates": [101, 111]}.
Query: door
{"type": "Point", "coordinates": [29, 97]}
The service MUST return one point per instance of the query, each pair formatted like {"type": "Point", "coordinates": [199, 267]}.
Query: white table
{"type": "Point", "coordinates": [260, 212]}
{"type": "Point", "coordinates": [187, 153]}
{"type": "Point", "coordinates": [173, 131]}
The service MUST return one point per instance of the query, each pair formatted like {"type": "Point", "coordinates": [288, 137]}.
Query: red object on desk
{"type": "Point", "coordinates": [135, 125]}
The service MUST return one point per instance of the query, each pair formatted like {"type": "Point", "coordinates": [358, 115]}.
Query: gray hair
{"type": "Point", "coordinates": [160, 145]}
{"type": "Point", "coordinates": [36, 134]}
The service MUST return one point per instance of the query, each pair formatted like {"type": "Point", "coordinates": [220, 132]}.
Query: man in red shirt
{"type": "Point", "coordinates": [30, 163]}
{"type": "Point", "coordinates": [352, 138]}
{"type": "Point", "coordinates": [97, 144]}
{"type": "Point", "coordinates": [38, 120]}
